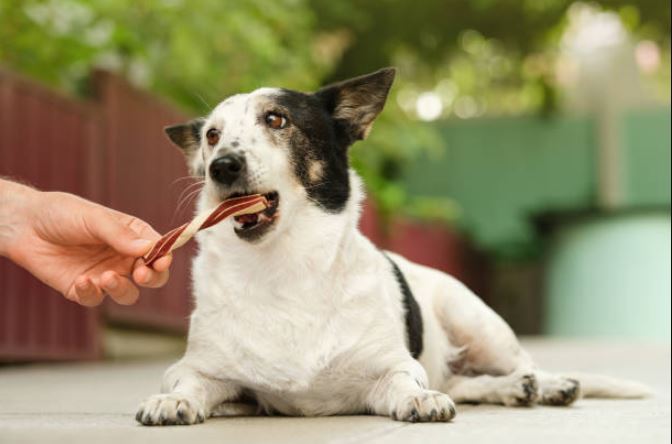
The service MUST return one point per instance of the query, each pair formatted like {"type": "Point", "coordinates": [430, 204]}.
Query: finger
{"type": "Point", "coordinates": [121, 232]}
{"type": "Point", "coordinates": [158, 267]}
{"type": "Point", "coordinates": [162, 264]}
{"type": "Point", "coordinates": [119, 288]}
{"type": "Point", "coordinates": [147, 277]}
{"type": "Point", "coordinates": [87, 293]}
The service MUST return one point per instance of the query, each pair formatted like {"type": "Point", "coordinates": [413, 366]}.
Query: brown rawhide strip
{"type": "Point", "coordinates": [179, 236]}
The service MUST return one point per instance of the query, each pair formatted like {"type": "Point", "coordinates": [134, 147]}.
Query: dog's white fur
{"type": "Point", "coordinates": [310, 320]}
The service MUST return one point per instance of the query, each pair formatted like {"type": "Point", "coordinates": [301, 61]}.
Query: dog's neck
{"type": "Point", "coordinates": [314, 243]}
{"type": "Point", "coordinates": [318, 240]}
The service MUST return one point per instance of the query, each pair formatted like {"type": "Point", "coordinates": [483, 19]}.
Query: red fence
{"type": "Point", "coordinates": [111, 149]}
{"type": "Point", "coordinates": [48, 140]}
{"type": "Point", "coordinates": [142, 177]}
{"type": "Point", "coordinates": [427, 243]}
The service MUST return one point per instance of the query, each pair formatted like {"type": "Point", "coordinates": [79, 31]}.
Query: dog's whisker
{"type": "Point", "coordinates": [188, 189]}
{"type": "Point", "coordinates": [200, 97]}
{"type": "Point", "coordinates": [184, 200]}
{"type": "Point", "coordinates": [188, 177]}
{"type": "Point", "coordinates": [183, 206]}
{"type": "Point", "coordinates": [191, 185]}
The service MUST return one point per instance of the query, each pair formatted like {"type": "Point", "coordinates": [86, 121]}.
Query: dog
{"type": "Point", "coordinates": [297, 313]}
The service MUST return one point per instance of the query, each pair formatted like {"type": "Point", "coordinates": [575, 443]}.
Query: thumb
{"type": "Point", "coordinates": [121, 232]}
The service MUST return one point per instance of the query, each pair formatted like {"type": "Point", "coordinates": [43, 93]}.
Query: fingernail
{"type": "Point", "coordinates": [142, 243]}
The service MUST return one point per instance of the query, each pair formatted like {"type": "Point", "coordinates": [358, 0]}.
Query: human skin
{"type": "Point", "coordinates": [81, 249]}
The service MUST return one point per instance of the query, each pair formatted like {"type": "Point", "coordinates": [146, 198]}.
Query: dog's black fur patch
{"type": "Point", "coordinates": [322, 127]}
{"type": "Point", "coordinates": [312, 137]}
{"type": "Point", "coordinates": [414, 328]}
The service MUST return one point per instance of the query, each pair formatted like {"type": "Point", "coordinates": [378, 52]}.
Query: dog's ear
{"type": "Point", "coordinates": [355, 103]}
{"type": "Point", "coordinates": [187, 137]}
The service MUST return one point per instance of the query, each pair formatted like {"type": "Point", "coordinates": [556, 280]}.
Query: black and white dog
{"type": "Point", "coordinates": [297, 313]}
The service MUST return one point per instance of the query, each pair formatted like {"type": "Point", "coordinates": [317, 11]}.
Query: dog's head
{"type": "Point", "coordinates": [290, 146]}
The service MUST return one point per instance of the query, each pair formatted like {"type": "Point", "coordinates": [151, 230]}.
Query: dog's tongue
{"type": "Point", "coordinates": [247, 218]}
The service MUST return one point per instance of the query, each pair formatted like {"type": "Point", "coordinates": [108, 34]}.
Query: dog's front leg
{"type": "Point", "coordinates": [187, 397]}
{"type": "Point", "coordinates": [401, 393]}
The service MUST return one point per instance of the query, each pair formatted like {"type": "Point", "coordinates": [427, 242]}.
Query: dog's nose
{"type": "Point", "coordinates": [227, 169]}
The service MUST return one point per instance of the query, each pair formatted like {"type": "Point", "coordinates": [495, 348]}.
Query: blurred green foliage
{"type": "Point", "coordinates": [192, 51]}
{"type": "Point", "coordinates": [481, 56]}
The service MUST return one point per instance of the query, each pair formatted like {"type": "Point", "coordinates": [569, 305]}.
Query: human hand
{"type": "Point", "coordinates": [82, 249]}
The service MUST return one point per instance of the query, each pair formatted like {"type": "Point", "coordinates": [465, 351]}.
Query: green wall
{"type": "Point", "coordinates": [645, 157]}
{"type": "Point", "coordinates": [502, 170]}
{"type": "Point", "coordinates": [606, 275]}
{"type": "Point", "coordinates": [610, 276]}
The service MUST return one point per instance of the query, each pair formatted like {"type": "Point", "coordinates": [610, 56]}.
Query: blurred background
{"type": "Point", "coordinates": [525, 146]}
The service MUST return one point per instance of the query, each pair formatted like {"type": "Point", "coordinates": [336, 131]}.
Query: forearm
{"type": "Point", "coordinates": [13, 200]}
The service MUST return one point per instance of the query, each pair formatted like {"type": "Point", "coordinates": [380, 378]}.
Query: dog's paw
{"type": "Point", "coordinates": [428, 406]}
{"type": "Point", "coordinates": [170, 409]}
{"type": "Point", "coordinates": [523, 392]}
{"type": "Point", "coordinates": [560, 392]}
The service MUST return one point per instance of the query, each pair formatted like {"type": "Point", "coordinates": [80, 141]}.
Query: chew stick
{"type": "Point", "coordinates": [179, 236]}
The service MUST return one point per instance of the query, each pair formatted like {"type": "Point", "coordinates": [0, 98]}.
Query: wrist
{"type": "Point", "coordinates": [15, 201]}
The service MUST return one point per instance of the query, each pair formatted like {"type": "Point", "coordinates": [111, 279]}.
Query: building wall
{"type": "Point", "coordinates": [610, 276]}
{"type": "Point", "coordinates": [645, 157]}
{"type": "Point", "coordinates": [48, 140]}
{"type": "Point", "coordinates": [607, 274]}
{"type": "Point", "coordinates": [500, 171]}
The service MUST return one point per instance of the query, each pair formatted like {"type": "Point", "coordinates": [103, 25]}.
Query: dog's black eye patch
{"type": "Point", "coordinates": [323, 126]}
{"type": "Point", "coordinates": [319, 159]}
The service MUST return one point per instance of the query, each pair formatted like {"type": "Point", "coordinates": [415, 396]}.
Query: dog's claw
{"type": "Point", "coordinates": [170, 409]}
{"type": "Point", "coordinates": [429, 406]}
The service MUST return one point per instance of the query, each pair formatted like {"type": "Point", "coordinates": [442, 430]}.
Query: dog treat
{"type": "Point", "coordinates": [179, 236]}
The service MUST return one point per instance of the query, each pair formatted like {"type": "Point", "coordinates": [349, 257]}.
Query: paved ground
{"type": "Point", "coordinates": [95, 403]}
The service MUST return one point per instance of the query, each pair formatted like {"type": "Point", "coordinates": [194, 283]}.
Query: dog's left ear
{"type": "Point", "coordinates": [355, 103]}
{"type": "Point", "coordinates": [187, 137]}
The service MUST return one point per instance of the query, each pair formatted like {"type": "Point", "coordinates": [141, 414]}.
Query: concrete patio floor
{"type": "Point", "coordinates": [95, 403]}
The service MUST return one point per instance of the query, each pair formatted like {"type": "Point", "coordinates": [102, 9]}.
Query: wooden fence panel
{"type": "Point", "coordinates": [49, 141]}
{"type": "Point", "coordinates": [145, 176]}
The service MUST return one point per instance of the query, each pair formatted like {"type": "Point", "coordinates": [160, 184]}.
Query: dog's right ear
{"type": "Point", "coordinates": [187, 137]}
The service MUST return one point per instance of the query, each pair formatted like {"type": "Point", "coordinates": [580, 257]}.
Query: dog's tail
{"type": "Point", "coordinates": [598, 386]}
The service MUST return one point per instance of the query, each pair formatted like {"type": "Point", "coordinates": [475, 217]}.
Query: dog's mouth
{"type": "Point", "coordinates": [251, 226]}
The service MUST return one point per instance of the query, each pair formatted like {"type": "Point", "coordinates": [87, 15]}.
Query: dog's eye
{"type": "Point", "coordinates": [213, 136]}
{"type": "Point", "coordinates": [275, 121]}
